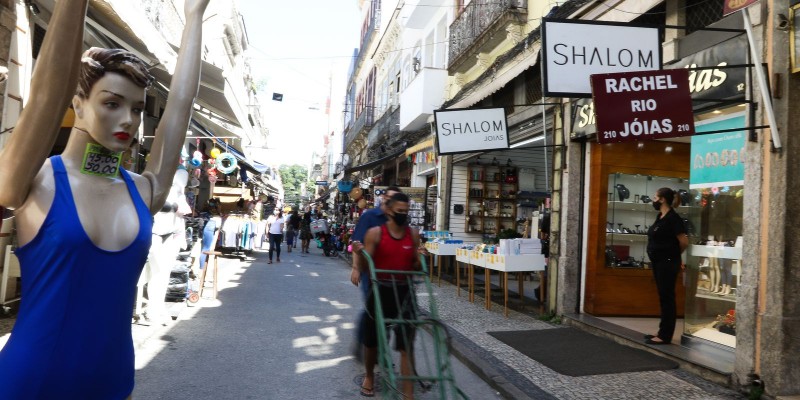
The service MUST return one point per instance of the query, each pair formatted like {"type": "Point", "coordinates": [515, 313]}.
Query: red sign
{"type": "Point", "coordinates": [643, 105]}
{"type": "Point", "coordinates": [732, 6]}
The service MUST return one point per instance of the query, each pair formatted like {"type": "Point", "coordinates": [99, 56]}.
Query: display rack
{"type": "Point", "coordinates": [491, 198]}
{"type": "Point", "coordinates": [629, 215]}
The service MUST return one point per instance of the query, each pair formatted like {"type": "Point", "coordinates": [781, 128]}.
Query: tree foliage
{"type": "Point", "coordinates": [293, 177]}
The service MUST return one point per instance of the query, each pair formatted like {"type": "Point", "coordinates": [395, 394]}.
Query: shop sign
{"type": "Point", "coordinates": [583, 118]}
{"type": "Point", "coordinates": [647, 105]}
{"type": "Point", "coordinates": [732, 6]}
{"type": "Point", "coordinates": [575, 50]}
{"type": "Point", "coordinates": [469, 130]}
{"type": "Point", "coordinates": [322, 183]}
{"type": "Point", "coordinates": [718, 159]}
{"type": "Point", "coordinates": [717, 84]}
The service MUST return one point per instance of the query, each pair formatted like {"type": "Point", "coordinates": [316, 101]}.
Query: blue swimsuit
{"type": "Point", "coordinates": [72, 338]}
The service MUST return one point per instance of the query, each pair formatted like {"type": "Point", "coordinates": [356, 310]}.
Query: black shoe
{"type": "Point", "coordinates": [647, 337]}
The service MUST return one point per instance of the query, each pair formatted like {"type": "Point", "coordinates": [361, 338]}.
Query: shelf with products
{"type": "Point", "coordinates": [630, 213]}
{"type": "Point", "coordinates": [491, 198]}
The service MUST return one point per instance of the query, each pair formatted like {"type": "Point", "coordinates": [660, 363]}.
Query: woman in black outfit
{"type": "Point", "coordinates": [666, 240]}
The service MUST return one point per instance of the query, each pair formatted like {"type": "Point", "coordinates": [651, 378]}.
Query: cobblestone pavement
{"type": "Point", "coordinates": [469, 324]}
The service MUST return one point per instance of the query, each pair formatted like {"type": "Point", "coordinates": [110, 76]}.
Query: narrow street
{"type": "Point", "coordinates": [279, 331]}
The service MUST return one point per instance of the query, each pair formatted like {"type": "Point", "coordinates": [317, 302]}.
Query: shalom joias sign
{"type": "Point", "coordinates": [647, 105]}
{"type": "Point", "coordinates": [468, 130]}
{"type": "Point", "coordinates": [575, 50]}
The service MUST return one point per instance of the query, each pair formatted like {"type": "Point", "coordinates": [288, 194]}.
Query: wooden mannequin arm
{"type": "Point", "coordinates": [53, 84]}
{"type": "Point", "coordinates": [171, 131]}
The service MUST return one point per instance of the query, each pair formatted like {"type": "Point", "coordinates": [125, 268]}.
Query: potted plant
{"type": "Point", "coordinates": [727, 323]}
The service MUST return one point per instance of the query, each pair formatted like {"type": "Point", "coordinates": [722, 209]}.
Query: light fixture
{"type": "Point", "coordinates": [526, 142]}
{"type": "Point", "coordinates": [640, 145]}
{"type": "Point", "coordinates": [668, 149]}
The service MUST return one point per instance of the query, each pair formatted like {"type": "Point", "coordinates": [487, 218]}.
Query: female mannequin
{"type": "Point", "coordinates": [84, 235]}
{"type": "Point", "coordinates": [169, 236]}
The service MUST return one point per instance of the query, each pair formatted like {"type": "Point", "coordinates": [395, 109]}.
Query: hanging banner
{"type": "Point", "coordinates": [648, 105]}
{"type": "Point", "coordinates": [575, 50]}
{"type": "Point", "coordinates": [469, 130]}
{"type": "Point", "coordinates": [718, 159]}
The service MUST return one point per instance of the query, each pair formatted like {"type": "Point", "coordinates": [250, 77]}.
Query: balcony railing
{"type": "Point", "coordinates": [364, 121]}
{"type": "Point", "coordinates": [476, 19]}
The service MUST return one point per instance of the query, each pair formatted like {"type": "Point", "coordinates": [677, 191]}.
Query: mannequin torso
{"type": "Point", "coordinates": [104, 206]}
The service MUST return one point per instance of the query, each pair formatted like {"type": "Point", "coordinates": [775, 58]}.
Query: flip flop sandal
{"type": "Point", "coordinates": [367, 392]}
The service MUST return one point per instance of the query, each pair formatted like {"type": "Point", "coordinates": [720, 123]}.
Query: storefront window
{"type": "Point", "coordinates": [714, 266]}
{"type": "Point", "coordinates": [630, 213]}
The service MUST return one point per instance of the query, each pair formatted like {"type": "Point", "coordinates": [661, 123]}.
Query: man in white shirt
{"type": "Point", "coordinates": [275, 232]}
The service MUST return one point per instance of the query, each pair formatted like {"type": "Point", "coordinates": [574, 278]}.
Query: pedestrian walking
{"type": "Point", "coordinates": [392, 246]}
{"type": "Point", "coordinates": [359, 275]}
{"type": "Point", "coordinates": [83, 222]}
{"type": "Point", "coordinates": [305, 232]}
{"type": "Point", "coordinates": [291, 232]}
{"type": "Point", "coordinates": [275, 224]}
{"type": "Point", "coordinates": [294, 222]}
{"type": "Point", "coordinates": [666, 240]}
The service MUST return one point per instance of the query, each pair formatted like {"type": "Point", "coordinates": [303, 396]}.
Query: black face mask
{"type": "Point", "coordinates": [657, 205]}
{"type": "Point", "coordinates": [400, 219]}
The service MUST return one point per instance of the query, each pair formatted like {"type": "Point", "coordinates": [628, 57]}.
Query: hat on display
{"type": "Point", "coordinates": [622, 192]}
{"type": "Point", "coordinates": [645, 199]}
{"type": "Point", "coordinates": [356, 193]}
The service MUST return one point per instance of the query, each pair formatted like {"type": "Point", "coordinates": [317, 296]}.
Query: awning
{"type": "Point", "coordinates": [425, 144]}
{"type": "Point", "coordinates": [123, 23]}
{"type": "Point", "coordinates": [374, 163]}
{"type": "Point", "coordinates": [244, 161]}
{"type": "Point", "coordinates": [212, 90]}
{"type": "Point", "coordinates": [502, 77]}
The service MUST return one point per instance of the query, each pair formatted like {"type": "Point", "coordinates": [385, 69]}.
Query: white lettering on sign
{"type": "Point", "coordinates": [586, 113]}
{"type": "Point", "coordinates": [643, 105]}
{"type": "Point", "coordinates": [703, 80]}
{"type": "Point", "coordinates": [581, 55]}
{"type": "Point", "coordinates": [640, 84]}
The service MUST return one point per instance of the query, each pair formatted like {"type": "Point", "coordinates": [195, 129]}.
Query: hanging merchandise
{"type": "Point", "coordinates": [215, 152]}
{"type": "Point", "coordinates": [345, 186]}
{"type": "Point", "coordinates": [356, 193]}
{"type": "Point", "coordinates": [195, 162]}
{"type": "Point", "coordinates": [227, 163]}
{"type": "Point", "coordinates": [362, 204]}
{"type": "Point", "coordinates": [197, 173]}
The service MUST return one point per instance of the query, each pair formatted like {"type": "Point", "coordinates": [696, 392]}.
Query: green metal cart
{"type": "Point", "coordinates": [430, 356]}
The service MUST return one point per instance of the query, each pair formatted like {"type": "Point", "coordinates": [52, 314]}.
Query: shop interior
{"type": "Point", "coordinates": [707, 172]}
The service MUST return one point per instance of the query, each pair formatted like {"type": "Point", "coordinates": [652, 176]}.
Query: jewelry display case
{"type": "Point", "coordinates": [630, 214]}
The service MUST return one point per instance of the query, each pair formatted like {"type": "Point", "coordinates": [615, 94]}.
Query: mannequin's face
{"type": "Point", "coordinates": [112, 113]}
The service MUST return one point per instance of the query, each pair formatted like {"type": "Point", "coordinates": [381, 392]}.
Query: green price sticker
{"type": "Point", "coordinates": [100, 161]}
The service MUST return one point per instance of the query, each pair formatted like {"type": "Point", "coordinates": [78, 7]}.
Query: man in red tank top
{"type": "Point", "coordinates": [392, 246]}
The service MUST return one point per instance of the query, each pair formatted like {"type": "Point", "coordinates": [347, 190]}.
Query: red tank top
{"type": "Point", "coordinates": [394, 254]}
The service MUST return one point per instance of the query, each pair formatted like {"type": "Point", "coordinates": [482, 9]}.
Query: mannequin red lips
{"type": "Point", "coordinates": [122, 135]}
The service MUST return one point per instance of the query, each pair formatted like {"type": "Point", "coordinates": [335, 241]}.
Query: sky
{"type": "Point", "coordinates": [295, 49]}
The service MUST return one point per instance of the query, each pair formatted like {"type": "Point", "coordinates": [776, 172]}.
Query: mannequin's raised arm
{"type": "Point", "coordinates": [171, 131]}
{"type": "Point", "coordinates": [53, 84]}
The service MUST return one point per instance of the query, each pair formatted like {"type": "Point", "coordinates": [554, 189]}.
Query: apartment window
{"type": "Point", "coordinates": [702, 13]}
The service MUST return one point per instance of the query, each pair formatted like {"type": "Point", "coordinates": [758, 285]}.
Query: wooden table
{"type": "Point", "coordinates": [513, 263]}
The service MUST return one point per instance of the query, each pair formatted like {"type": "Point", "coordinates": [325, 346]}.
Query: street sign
{"type": "Point", "coordinates": [322, 183]}
{"type": "Point", "coordinates": [645, 105]}
{"type": "Point", "coordinates": [732, 6]}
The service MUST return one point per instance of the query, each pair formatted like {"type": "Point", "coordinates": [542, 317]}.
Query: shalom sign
{"type": "Point", "coordinates": [573, 51]}
{"type": "Point", "coordinates": [468, 130]}
{"type": "Point", "coordinates": [648, 105]}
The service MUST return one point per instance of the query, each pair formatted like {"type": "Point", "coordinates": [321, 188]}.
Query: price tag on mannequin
{"type": "Point", "coordinates": [100, 161]}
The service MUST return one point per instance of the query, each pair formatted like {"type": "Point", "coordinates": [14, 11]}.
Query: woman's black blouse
{"type": "Point", "coordinates": [662, 237]}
